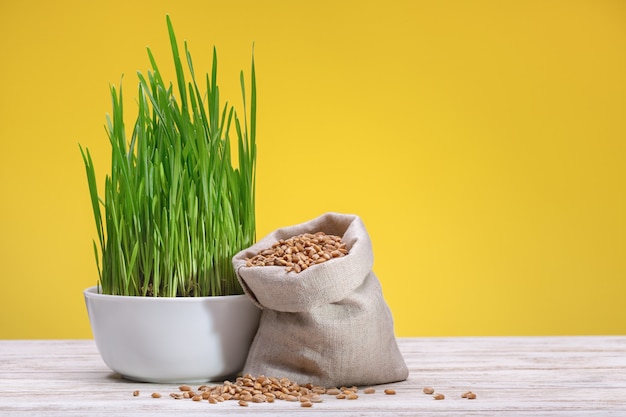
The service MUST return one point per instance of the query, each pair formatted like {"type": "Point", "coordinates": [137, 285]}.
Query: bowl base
{"type": "Point", "coordinates": [180, 381]}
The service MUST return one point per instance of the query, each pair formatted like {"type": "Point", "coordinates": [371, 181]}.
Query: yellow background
{"type": "Point", "coordinates": [482, 142]}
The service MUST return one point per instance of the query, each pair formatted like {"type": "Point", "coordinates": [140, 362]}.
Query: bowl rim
{"type": "Point", "coordinates": [92, 292]}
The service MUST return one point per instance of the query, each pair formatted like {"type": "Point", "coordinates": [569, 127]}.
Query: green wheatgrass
{"type": "Point", "coordinates": [175, 207]}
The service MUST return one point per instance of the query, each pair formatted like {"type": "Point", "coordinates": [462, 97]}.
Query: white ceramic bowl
{"type": "Point", "coordinates": [172, 340]}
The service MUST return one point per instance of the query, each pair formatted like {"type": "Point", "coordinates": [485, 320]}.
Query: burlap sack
{"type": "Point", "coordinates": [328, 325]}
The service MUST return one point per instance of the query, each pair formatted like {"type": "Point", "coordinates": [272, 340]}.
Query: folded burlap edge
{"type": "Point", "coordinates": [329, 282]}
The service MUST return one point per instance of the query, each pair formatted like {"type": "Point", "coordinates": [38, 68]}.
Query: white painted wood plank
{"type": "Point", "coordinates": [519, 376]}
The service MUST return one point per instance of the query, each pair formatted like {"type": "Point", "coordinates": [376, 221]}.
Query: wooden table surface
{"type": "Point", "coordinates": [511, 376]}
